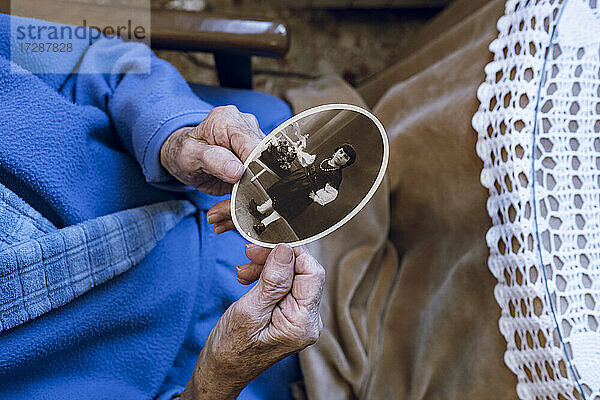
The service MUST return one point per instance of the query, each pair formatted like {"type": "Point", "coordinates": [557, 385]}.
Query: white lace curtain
{"type": "Point", "coordinates": [539, 137]}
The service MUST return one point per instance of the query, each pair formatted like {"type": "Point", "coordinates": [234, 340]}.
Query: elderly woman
{"type": "Point", "coordinates": [78, 146]}
{"type": "Point", "coordinates": [318, 183]}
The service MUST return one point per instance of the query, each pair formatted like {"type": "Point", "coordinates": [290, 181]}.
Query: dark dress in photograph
{"type": "Point", "coordinates": [290, 195]}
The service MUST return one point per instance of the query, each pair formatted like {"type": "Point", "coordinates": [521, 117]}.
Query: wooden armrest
{"type": "Point", "coordinates": [183, 30]}
{"type": "Point", "coordinates": [177, 30]}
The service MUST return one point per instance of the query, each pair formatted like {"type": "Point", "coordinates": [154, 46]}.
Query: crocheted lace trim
{"type": "Point", "coordinates": [539, 138]}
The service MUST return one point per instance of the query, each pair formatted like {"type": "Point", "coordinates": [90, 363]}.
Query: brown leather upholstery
{"type": "Point", "coordinates": [436, 40]}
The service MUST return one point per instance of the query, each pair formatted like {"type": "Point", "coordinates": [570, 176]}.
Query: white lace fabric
{"type": "Point", "coordinates": [539, 137]}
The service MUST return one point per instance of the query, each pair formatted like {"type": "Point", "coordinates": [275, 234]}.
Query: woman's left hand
{"type": "Point", "coordinates": [277, 317]}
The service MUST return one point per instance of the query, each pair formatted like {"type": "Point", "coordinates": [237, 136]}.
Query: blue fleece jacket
{"type": "Point", "coordinates": [81, 145]}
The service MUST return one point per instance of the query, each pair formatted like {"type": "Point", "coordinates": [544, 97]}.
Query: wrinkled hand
{"type": "Point", "coordinates": [209, 156]}
{"type": "Point", "coordinates": [277, 317]}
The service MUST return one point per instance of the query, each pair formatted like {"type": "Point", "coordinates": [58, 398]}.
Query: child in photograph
{"type": "Point", "coordinates": [318, 182]}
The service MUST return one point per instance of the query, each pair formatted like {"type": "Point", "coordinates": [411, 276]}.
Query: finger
{"type": "Point", "coordinates": [223, 226]}
{"type": "Point", "coordinates": [200, 157]}
{"type": "Point", "coordinates": [249, 272]}
{"type": "Point", "coordinates": [300, 250]}
{"type": "Point", "coordinates": [219, 212]}
{"type": "Point", "coordinates": [257, 254]}
{"type": "Point", "coordinates": [253, 123]}
{"type": "Point", "coordinates": [243, 140]}
{"type": "Point", "coordinates": [309, 280]}
{"type": "Point", "coordinates": [242, 281]}
{"type": "Point", "coordinates": [276, 278]}
{"type": "Point", "coordinates": [217, 188]}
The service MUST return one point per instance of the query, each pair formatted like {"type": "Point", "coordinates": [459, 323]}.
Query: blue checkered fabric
{"type": "Point", "coordinates": [43, 267]}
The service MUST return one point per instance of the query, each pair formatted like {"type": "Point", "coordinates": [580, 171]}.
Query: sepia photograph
{"type": "Point", "coordinates": [310, 175]}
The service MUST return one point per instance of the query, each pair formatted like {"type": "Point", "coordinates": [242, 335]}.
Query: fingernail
{"type": "Point", "coordinates": [211, 218]}
{"type": "Point", "coordinates": [233, 169]}
{"type": "Point", "coordinates": [251, 246]}
{"type": "Point", "coordinates": [283, 254]}
{"type": "Point", "coordinates": [242, 281]}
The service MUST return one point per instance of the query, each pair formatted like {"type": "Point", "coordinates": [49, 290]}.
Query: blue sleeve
{"type": "Point", "coordinates": [145, 97]}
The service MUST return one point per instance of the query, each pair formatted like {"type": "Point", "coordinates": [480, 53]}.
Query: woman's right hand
{"type": "Point", "coordinates": [277, 317]}
{"type": "Point", "coordinates": [210, 156]}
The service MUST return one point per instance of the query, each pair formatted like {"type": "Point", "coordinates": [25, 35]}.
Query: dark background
{"type": "Point", "coordinates": [354, 43]}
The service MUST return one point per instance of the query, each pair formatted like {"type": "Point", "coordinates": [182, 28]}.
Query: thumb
{"type": "Point", "coordinates": [215, 160]}
{"type": "Point", "coordinates": [276, 278]}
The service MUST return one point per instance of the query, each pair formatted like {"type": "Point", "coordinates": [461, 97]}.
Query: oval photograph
{"type": "Point", "coordinates": [310, 176]}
